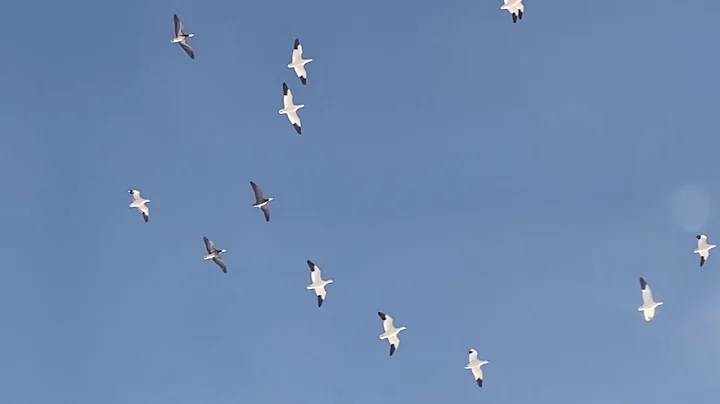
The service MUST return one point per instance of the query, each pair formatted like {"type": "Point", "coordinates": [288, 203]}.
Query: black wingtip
{"type": "Point", "coordinates": [520, 14]}
{"type": "Point", "coordinates": [514, 16]}
{"type": "Point", "coordinates": [392, 349]}
{"type": "Point", "coordinates": [320, 301]}
{"type": "Point", "coordinates": [285, 89]}
{"type": "Point", "coordinates": [298, 128]}
{"type": "Point", "coordinates": [643, 284]}
{"type": "Point", "coordinates": [702, 261]}
{"type": "Point", "coordinates": [297, 42]}
{"type": "Point", "coordinates": [311, 265]}
{"type": "Point", "coordinates": [146, 217]}
{"type": "Point", "coordinates": [699, 236]}
{"type": "Point", "coordinates": [303, 80]}
{"type": "Point", "coordinates": [382, 315]}
{"type": "Point", "coordinates": [479, 382]}
{"type": "Point", "coordinates": [224, 271]}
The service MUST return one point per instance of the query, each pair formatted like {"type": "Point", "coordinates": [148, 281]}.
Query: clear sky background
{"type": "Point", "coordinates": [490, 185]}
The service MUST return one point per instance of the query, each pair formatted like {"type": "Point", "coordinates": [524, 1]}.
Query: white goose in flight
{"type": "Point", "coordinates": [391, 333]}
{"type": "Point", "coordinates": [649, 304]}
{"type": "Point", "coordinates": [703, 248]}
{"type": "Point", "coordinates": [298, 63]}
{"type": "Point", "coordinates": [214, 254]}
{"type": "Point", "coordinates": [139, 203]}
{"type": "Point", "coordinates": [475, 365]}
{"type": "Point", "coordinates": [182, 38]}
{"type": "Point", "coordinates": [318, 284]}
{"type": "Point", "coordinates": [290, 109]}
{"type": "Point", "coordinates": [515, 8]}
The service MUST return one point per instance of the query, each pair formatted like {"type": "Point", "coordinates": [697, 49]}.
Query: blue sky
{"type": "Point", "coordinates": [491, 185]}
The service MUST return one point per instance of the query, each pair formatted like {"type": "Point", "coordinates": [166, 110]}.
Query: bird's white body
{"type": "Point", "coordinates": [391, 332]}
{"type": "Point", "coordinates": [318, 283]}
{"type": "Point", "coordinates": [182, 38]}
{"type": "Point", "coordinates": [515, 8]}
{"type": "Point", "coordinates": [290, 109]}
{"type": "Point", "coordinates": [475, 365]}
{"type": "Point", "coordinates": [260, 205]}
{"type": "Point", "coordinates": [298, 63]}
{"type": "Point", "coordinates": [703, 248]}
{"type": "Point", "coordinates": [214, 255]}
{"type": "Point", "coordinates": [649, 304]}
{"type": "Point", "coordinates": [139, 203]}
{"type": "Point", "coordinates": [512, 6]}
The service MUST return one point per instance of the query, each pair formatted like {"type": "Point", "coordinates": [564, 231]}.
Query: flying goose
{"type": "Point", "coordinates": [514, 7]}
{"type": "Point", "coordinates": [475, 365]}
{"type": "Point", "coordinates": [260, 201]}
{"type": "Point", "coordinates": [391, 333]}
{"type": "Point", "coordinates": [139, 203]}
{"type": "Point", "coordinates": [214, 254]}
{"type": "Point", "coordinates": [182, 38]}
{"type": "Point", "coordinates": [290, 109]}
{"type": "Point", "coordinates": [649, 305]}
{"type": "Point", "coordinates": [298, 63]}
{"type": "Point", "coordinates": [703, 248]}
{"type": "Point", "coordinates": [318, 284]}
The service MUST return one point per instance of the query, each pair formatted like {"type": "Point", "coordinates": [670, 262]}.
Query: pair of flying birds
{"type": "Point", "coordinates": [297, 63]}
{"type": "Point", "coordinates": [649, 304]}
{"type": "Point", "coordinates": [261, 202]}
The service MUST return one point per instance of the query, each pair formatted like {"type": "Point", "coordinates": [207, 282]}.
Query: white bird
{"type": "Point", "coordinates": [475, 365]}
{"type": "Point", "coordinates": [703, 248]}
{"type": "Point", "coordinates": [318, 284]}
{"type": "Point", "coordinates": [139, 202]}
{"type": "Point", "coordinates": [649, 305]}
{"type": "Point", "coordinates": [391, 333]}
{"type": "Point", "coordinates": [290, 109]}
{"type": "Point", "coordinates": [298, 63]}
{"type": "Point", "coordinates": [214, 254]}
{"type": "Point", "coordinates": [182, 38]}
{"type": "Point", "coordinates": [514, 7]}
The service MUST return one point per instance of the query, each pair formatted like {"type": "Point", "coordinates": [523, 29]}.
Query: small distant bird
{"type": "Point", "coordinates": [139, 202]}
{"type": "Point", "coordinates": [260, 201]}
{"type": "Point", "coordinates": [649, 305]}
{"type": "Point", "coordinates": [214, 254]}
{"type": "Point", "coordinates": [318, 284]}
{"type": "Point", "coordinates": [514, 7]}
{"type": "Point", "coordinates": [391, 333]}
{"type": "Point", "coordinates": [298, 63]}
{"type": "Point", "coordinates": [475, 365]}
{"type": "Point", "coordinates": [182, 38]}
{"type": "Point", "coordinates": [703, 248]}
{"type": "Point", "coordinates": [290, 109]}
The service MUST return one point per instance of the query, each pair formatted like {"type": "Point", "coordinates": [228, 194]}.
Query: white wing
{"type": "Point", "coordinates": [294, 118]}
{"type": "Point", "coordinates": [702, 242]}
{"type": "Point", "coordinates": [288, 99]}
{"type": "Point", "coordinates": [388, 324]}
{"type": "Point", "coordinates": [136, 195]}
{"type": "Point", "coordinates": [473, 356]}
{"type": "Point", "coordinates": [316, 275]}
{"type": "Point", "coordinates": [321, 292]}
{"type": "Point", "coordinates": [647, 296]}
{"type": "Point", "coordinates": [477, 373]}
{"type": "Point", "coordinates": [300, 71]}
{"type": "Point", "coordinates": [144, 209]}
{"type": "Point", "coordinates": [395, 341]}
{"type": "Point", "coordinates": [297, 54]}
